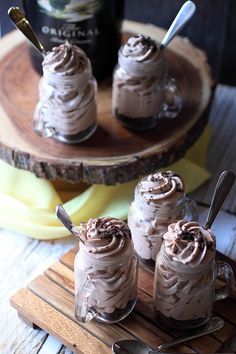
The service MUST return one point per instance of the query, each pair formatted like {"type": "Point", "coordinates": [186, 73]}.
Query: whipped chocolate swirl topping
{"type": "Point", "coordinates": [140, 48]}
{"type": "Point", "coordinates": [160, 186]}
{"type": "Point", "coordinates": [66, 59]}
{"type": "Point", "coordinates": [189, 243]}
{"type": "Point", "coordinates": [141, 56]}
{"type": "Point", "coordinates": [105, 237]}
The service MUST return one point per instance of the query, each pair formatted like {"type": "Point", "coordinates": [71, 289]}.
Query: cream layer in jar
{"type": "Point", "coordinates": [138, 83]}
{"type": "Point", "coordinates": [184, 286]}
{"type": "Point", "coordinates": [67, 96]}
{"type": "Point", "coordinates": [158, 202]}
{"type": "Point", "coordinates": [105, 270]}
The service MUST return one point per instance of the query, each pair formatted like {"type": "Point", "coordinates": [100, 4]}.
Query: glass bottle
{"type": "Point", "coordinates": [105, 271]}
{"type": "Point", "coordinates": [93, 25]}
{"type": "Point", "coordinates": [142, 91]}
{"type": "Point", "coordinates": [185, 276]}
{"type": "Point", "coordinates": [159, 200]}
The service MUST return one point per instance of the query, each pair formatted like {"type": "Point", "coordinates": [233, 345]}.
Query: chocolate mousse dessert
{"type": "Point", "coordinates": [184, 281]}
{"type": "Point", "coordinates": [141, 74]}
{"type": "Point", "coordinates": [66, 109]}
{"type": "Point", "coordinates": [105, 271]}
{"type": "Point", "coordinates": [159, 200]}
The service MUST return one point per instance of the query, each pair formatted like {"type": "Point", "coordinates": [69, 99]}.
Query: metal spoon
{"type": "Point", "coordinates": [19, 20]}
{"type": "Point", "coordinates": [67, 222]}
{"type": "Point", "coordinates": [184, 15]}
{"type": "Point", "coordinates": [221, 191]}
{"type": "Point", "coordinates": [138, 347]}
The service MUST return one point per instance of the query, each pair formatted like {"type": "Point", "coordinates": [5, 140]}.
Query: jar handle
{"type": "Point", "coordinates": [83, 312]}
{"type": "Point", "coordinates": [173, 101]}
{"type": "Point", "coordinates": [225, 270]}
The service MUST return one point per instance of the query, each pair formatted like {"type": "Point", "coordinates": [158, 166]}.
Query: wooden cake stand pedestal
{"type": "Point", "coordinates": [113, 154]}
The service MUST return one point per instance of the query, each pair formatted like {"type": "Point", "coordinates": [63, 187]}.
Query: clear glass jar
{"type": "Point", "coordinates": [159, 200]}
{"type": "Point", "coordinates": [66, 110]}
{"type": "Point", "coordinates": [143, 93]}
{"type": "Point", "coordinates": [105, 290]}
{"type": "Point", "coordinates": [184, 294]}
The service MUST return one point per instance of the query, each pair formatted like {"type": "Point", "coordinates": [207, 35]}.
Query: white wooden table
{"type": "Point", "coordinates": [22, 258]}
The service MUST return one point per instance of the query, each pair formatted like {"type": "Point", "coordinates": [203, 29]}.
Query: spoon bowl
{"type": "Point", "coordinates": [138, 347]}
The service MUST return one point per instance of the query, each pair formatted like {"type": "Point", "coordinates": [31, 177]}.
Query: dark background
{"type": "Point", "coordinates": [213, 28]}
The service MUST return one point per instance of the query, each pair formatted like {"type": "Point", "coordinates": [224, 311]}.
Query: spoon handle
{"type": "Point", "coordinates": [222, 189]}
{"type": "Point", "coordinates": [67, 222]}
{"type": "Point", "coordinates": [19, 20]}
{"type": "Point", "coordinates": [213, 325]}
{"type": "Point", "coordinates": [183, 16]}
{"type": "Point", "coordinates": [64, 217]}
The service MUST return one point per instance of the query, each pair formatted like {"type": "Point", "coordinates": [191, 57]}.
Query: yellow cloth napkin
{"type": "Point", "coordinates": [27, 203]}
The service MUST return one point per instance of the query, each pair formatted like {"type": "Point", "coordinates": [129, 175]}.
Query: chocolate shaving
{"type": "Point", "coordinates": [196, 236]}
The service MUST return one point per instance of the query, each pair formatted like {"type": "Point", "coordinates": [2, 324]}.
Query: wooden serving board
{"type": "Point", "coordinates": [113, 154]}
{"type": "Point", "coordinates": [48, 303]}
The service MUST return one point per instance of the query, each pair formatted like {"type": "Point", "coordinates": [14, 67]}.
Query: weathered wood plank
{"type": "Point", "coordinates": [62, 275]}
{"type": "Point", "coordinates": [21, 259]}
{"type": "Point", "coordinates": [51, 345]}
{"type": "Point", "coordinates": [221, 152]}
{"type": "Point", "coordinates": [66, 330]}
{"type": "Point", "coordinates": [64, 302]}
{"type": "Point", "coordinates": [224, 228]}
{"type": "Point", "coordinates": [68, 259]}
{"type": "Point", "coordinates": [64, 350]}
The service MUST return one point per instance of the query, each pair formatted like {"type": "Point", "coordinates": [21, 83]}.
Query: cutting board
{"type": "Point", "coordinates": [113, 154]}
{"type": "Point", "coordinates": [48, 303]}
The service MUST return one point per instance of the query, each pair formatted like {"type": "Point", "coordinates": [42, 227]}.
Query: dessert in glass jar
{"type": "Point", "coordinates": [159, 200]}
{"type": "Point", "coordinates": [142, 91]}
{"type": "Point", "coordinates": [105, 271]}
{"type": "Point", "coordinates": [185, 276]}
{"type": "Point", "coordinates": [67, 108]}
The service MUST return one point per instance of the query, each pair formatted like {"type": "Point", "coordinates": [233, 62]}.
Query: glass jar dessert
{"type": "Point", "coordinates": [159, 200]}
{"type": "Point", "coordinates": [185, 276]}
{"type": "Point", "coordinates": [66, 110]}
{"type": "Point", "coordinates": [142, 91]}
{"type": "Point", "coordinates": [105, 271]}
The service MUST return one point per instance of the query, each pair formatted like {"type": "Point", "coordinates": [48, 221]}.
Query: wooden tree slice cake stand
{"type": "Point", "coordinates": [113, 154]}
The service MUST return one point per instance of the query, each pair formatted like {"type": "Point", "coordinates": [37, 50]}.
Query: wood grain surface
{"type": "Point", "coordinates": [113, 154]}
{"type": "Point", "coordinates": [48, 302]}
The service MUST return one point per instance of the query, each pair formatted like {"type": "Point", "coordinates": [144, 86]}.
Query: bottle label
{"type": "Point", "coordinates": [70, 10]}
{"type": "Point", "coordinates": [93, 25]}
{"type": "Point", "coordinates": [71, 31]}
{"type": "Point", "coordinates": [71, 14]}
